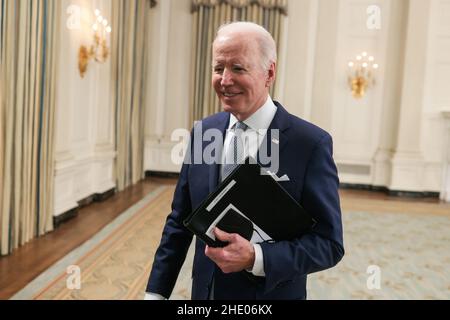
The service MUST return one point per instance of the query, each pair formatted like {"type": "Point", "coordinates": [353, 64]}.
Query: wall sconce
{"type": "Point", "coordinates": [99, 49]}
{"type": "Point", "coordinates": [360, 76]}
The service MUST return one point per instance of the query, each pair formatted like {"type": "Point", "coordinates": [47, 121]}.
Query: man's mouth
{"type": "Point", "coordinates": [230, 95]}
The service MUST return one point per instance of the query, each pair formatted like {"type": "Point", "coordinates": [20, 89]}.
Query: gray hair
{"type": "Point", "coordinates": [267, 46]}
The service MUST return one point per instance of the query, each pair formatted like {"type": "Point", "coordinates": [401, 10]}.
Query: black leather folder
{"type": "Point", "coordinates": [252, 203]}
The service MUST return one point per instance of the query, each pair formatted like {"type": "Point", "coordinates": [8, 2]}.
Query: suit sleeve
{"type": "Point", "coordinates": [175, 240]}
{"type": "Point", "coordinates": [322, 248]}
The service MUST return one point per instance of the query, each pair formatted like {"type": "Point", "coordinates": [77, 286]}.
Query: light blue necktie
{"type": "Point", "coordinates": [235, 151]}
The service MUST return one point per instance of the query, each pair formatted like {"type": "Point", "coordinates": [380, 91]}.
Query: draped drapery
{"type": "Point", "coordinates": [280, 5]}
{"type": "Point", "coordinates": [129, 51]}
{"type": "Point", "coordinates": [209, 15]}
{"type": "Point", "coordinates": [28, 61]}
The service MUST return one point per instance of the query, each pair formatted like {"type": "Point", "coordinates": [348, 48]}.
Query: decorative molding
{"type": "Point", "coordinates": [407, 172]}
{"type": "Point", "coordinates": [355, 179]}
{"type": "Point", "coordinates": [70, 164]}
{"type": "Point", "coordinates": [382, 169]}
{"type": "Point", "coordinates": [354, 169]}
{"type": "Point", "coordinates": [63, 197]}
{"type": "Point", "coordinates": [76, 180]}
{"type": "Point", "coordinates": [158, 157]}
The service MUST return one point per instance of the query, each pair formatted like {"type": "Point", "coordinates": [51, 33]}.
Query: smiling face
{"type": "Point", "coordinates": [238, 78]}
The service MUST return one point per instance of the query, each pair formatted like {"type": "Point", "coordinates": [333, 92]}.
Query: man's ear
{"type": "Point", "coordinates": [271, 74]}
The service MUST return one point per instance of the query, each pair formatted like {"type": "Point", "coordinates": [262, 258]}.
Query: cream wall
{"type": "Point", "coordinates": [295, 79]}
{"type": "Point", "coordinates": [419, 159]}
{"type": "Point", "coordinates": [84, 116]}
{"type": "Point", "coordinates": [394, 137]}
{"type": "Point", "coordinates": [436, 134]}
{"type": "Point", "coordinates": [168, 99]}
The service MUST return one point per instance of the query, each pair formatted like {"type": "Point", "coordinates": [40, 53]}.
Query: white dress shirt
{"type": "Point", "coordinates": [257, 123]}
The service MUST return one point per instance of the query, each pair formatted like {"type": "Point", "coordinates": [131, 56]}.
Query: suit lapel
{"type": "Point", "coordinates": [281, 123]}
{"type": "Point", "coordinates": [214, 169]}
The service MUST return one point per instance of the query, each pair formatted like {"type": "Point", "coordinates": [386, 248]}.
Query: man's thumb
{"type": "Point", "coordinates": [222, 235]}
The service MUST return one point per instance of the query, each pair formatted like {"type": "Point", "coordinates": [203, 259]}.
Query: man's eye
{"type": "Point", "coordinates": [238, 69]}
{"type": "Point", "coordinates": [218, 70]}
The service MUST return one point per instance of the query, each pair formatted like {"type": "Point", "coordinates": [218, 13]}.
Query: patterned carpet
{"type": "Point", "coordinates": [114, 264]}
{"type": "Point", "coordinates": [411, 251]}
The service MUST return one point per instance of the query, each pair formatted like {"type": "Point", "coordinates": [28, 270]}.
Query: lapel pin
{"type": "Point", "coordinates": [276, 141]}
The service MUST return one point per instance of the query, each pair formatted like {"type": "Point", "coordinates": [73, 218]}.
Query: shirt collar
{"type": "Point", "coordinates": [261, 119]}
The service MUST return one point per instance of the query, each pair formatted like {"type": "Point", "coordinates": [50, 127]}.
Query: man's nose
{"type": "Point", "coordinates": [227, 78]}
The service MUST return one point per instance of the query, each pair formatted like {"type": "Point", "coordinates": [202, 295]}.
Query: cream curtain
{"type": "Point", "coordinates": [28, 60]}
{"type": "Point", "coordinates": [209, 15]}
{"type": "Point", "coordinates": [129, 53]}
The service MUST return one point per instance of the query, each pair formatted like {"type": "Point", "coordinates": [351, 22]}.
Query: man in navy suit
{"type": "Point", "coordinates": [244, 63]}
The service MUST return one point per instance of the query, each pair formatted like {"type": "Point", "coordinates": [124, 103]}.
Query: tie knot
{"type": "Point", "coordinates": [240, 126]}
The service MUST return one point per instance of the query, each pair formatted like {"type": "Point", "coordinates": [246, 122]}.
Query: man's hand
{"type": "Point", "coordinates": [238, 255]}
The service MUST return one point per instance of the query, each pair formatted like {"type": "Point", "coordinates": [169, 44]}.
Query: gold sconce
{"type": "Point", "coordinates": [361, 72]}
{"type": "Point", "coordinates": [99, 49]}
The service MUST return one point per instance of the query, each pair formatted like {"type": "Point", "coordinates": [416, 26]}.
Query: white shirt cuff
{"type": "Point", "coordinates": [258, 265]}
{"type": "Point", "coordinates": [153, 296]}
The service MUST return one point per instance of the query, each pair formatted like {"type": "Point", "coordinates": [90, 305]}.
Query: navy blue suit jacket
{"type": "Point", "coordinates": [306, 158]}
